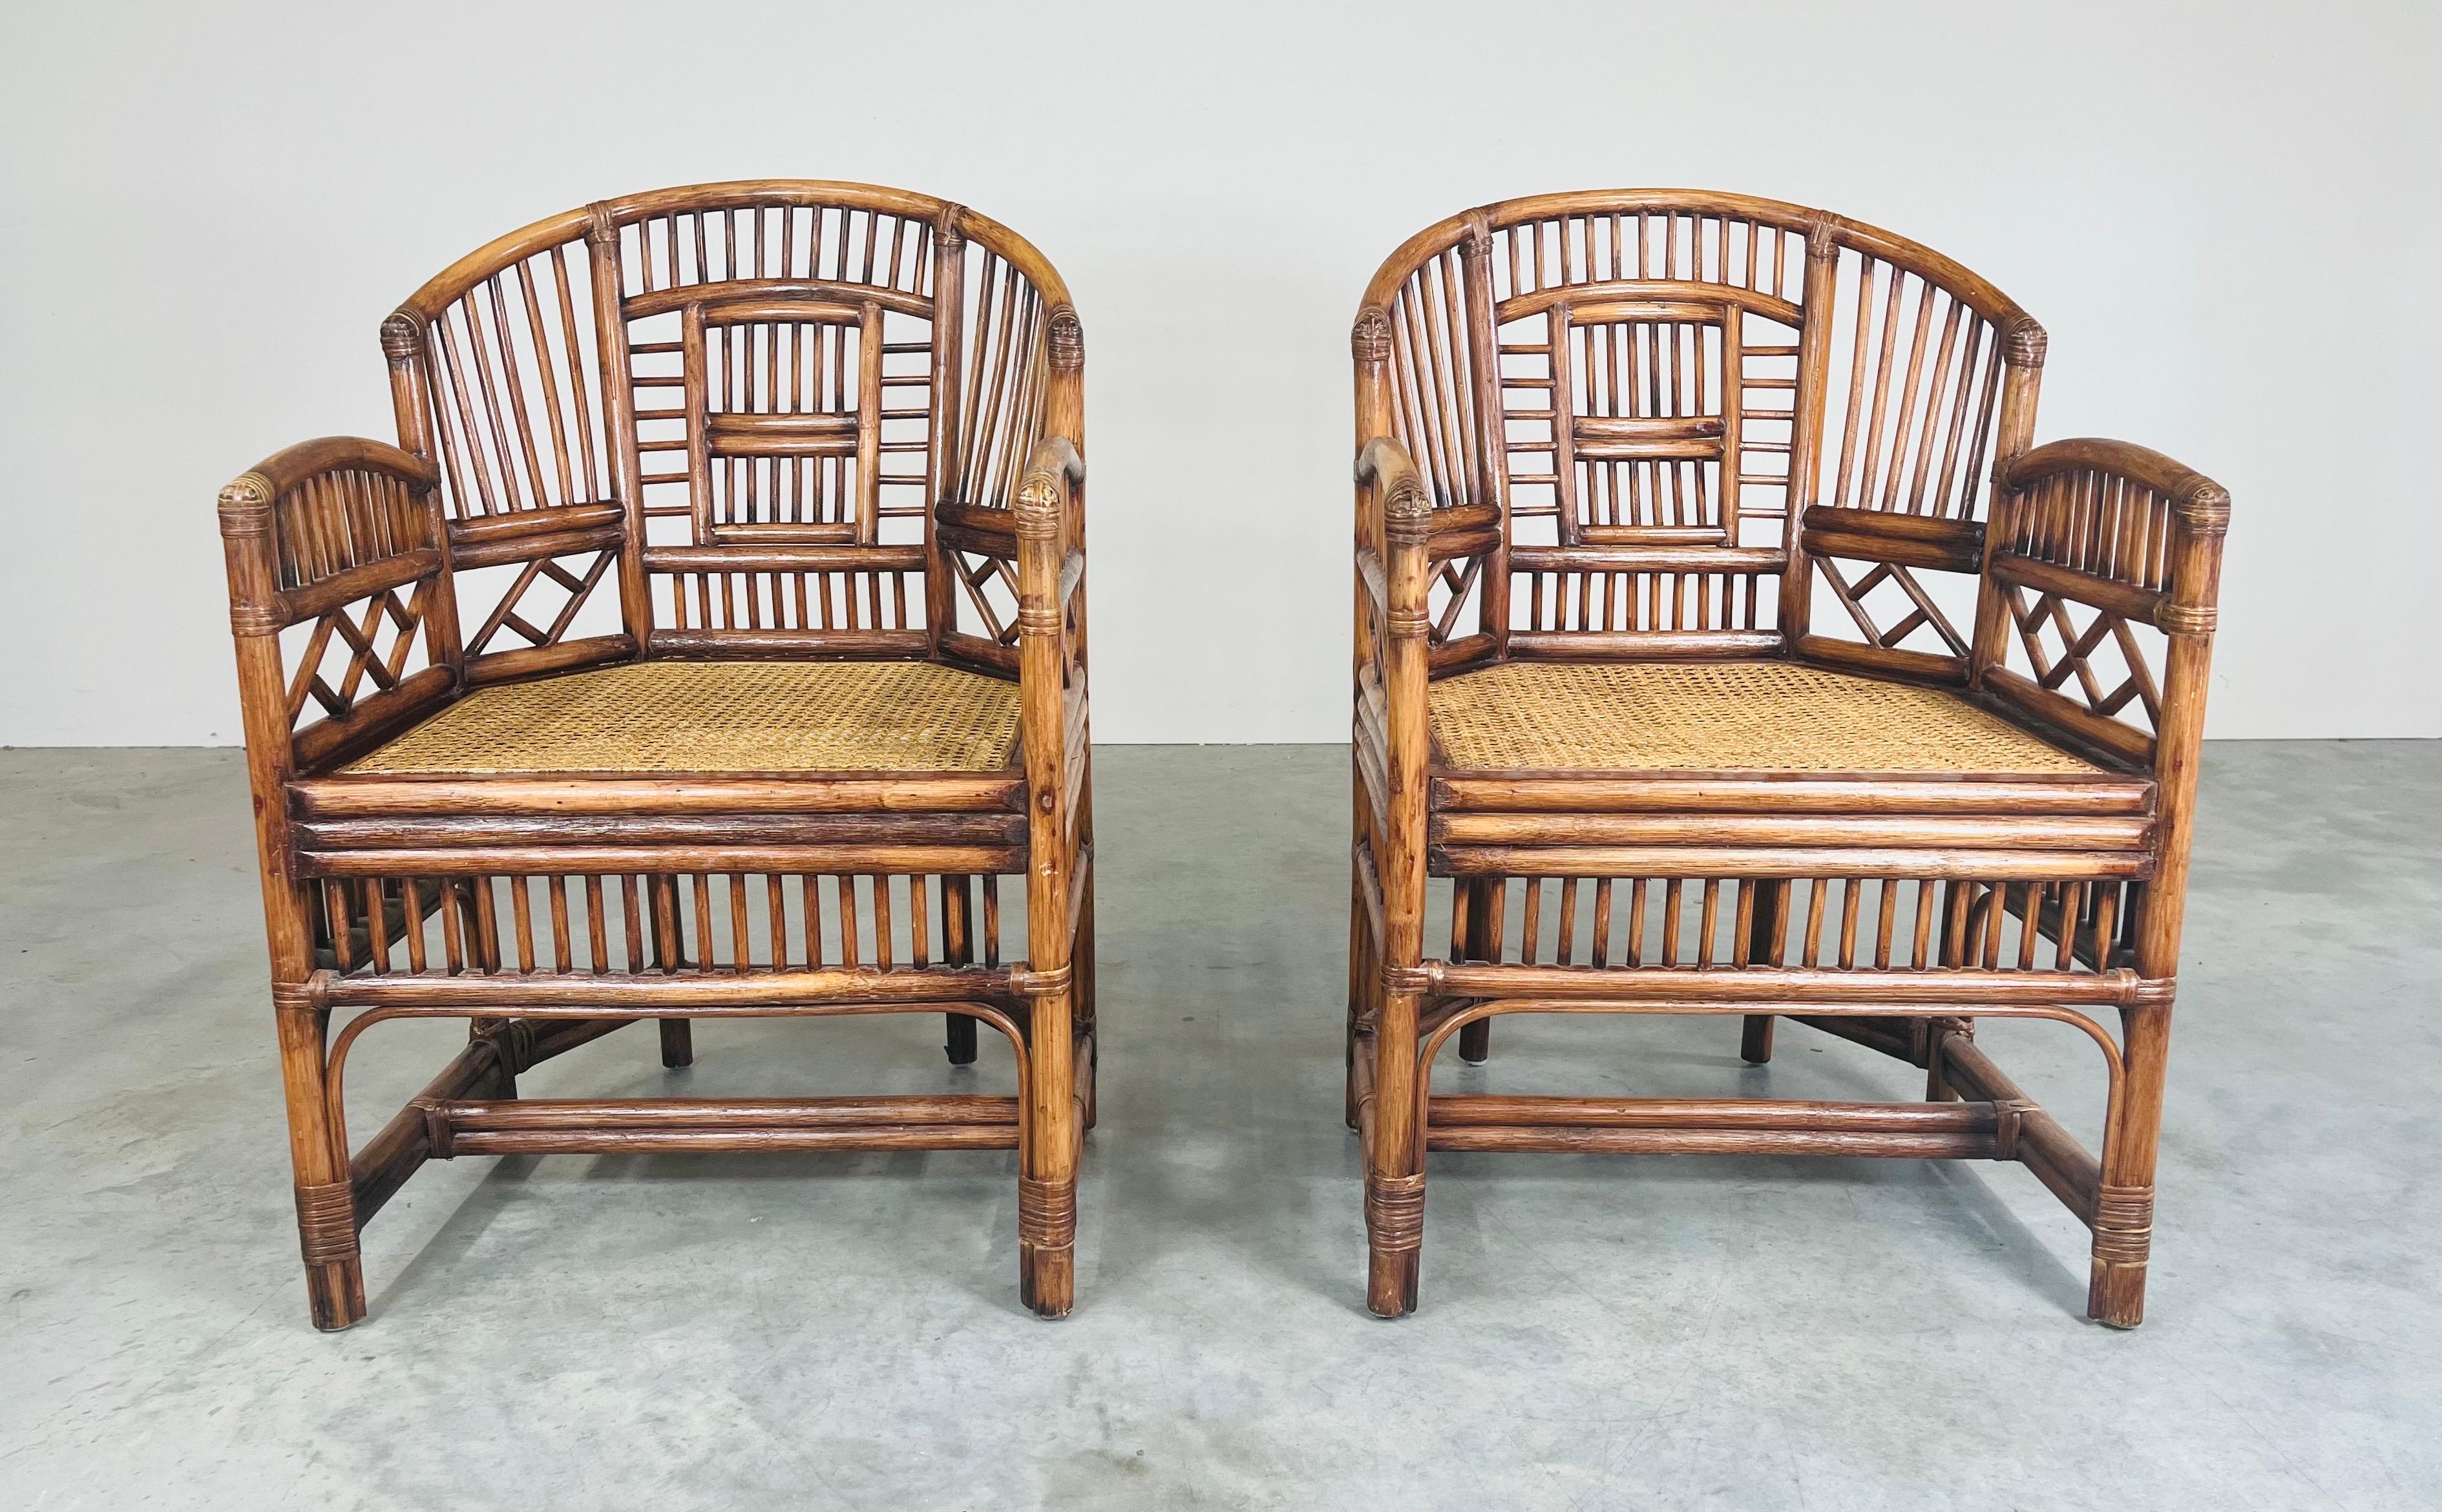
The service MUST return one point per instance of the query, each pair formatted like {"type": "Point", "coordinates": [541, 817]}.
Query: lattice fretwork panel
{"type": "Point", "coordinates": [2090, 655]}
{"type": "Point", "coordinates": [339, 659]}
{"type": "Point", "coordinates": [536, 602]}
{"type": "Point", "coordinates": [986, 601]}
{"type": "Point", "coordinates": [1453, 599]}
{"type": "Point", "coordinates": [1893, 607]}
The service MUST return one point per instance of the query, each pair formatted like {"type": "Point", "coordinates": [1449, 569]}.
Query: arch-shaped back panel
{"type": "Point", "coordinates": [746, 398]}
{"type": "Point", "coordinates": [1655, 387]}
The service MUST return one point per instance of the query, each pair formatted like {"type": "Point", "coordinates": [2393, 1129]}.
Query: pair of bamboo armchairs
{"type": "Point", "coordinates": [713, 644]}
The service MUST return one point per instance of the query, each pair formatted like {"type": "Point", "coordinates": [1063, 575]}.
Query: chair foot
{"type": "Point", "coordinates": [1047, 1280]}
{"type": "Point", "coordinates": [2124, 1235]}
{"type": "Point", "coordinates": [2115, 1295]}
{"type": "Point", "coordinates": [1047, 1246]}
{"type": "Point", "coordinates": [337, 1294]}
{"type": "Point", "coordinates": [678, 1042]}
{"type": "Point", "coordinates": [1755, 1041]}
{"type": "Point", "coordinates": [1390, 1282]}
{"type": "Point", "coordinates": [1395, 1233]}
{"type": "Point", "coordinates": [1475, 1041]}
{"type": "Point", "coordinates": [959, 1041]}
{"type": "Point", "coordinates": [334, 1272]}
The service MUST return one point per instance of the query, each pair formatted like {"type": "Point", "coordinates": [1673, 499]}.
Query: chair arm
{"type": "Point", "coordinates": [2117, 525]}
{"type": "Point", "coordinates": [1394, 574]}
{"type": "Point", "coordinates": [2128, 531]}
{"type": "Point", "coordinates": [1050, 500]}
{"type": "Point", "coordinates": [1056, 736]}
{"type": "Point", "coordinates": [1386, 464]}
{"type": "Point", "coordinates": [331, 531]}
{"type": "Point", "coordinates": [2124, 459]}
{"type": "Point", "coordinates": [322, 523]}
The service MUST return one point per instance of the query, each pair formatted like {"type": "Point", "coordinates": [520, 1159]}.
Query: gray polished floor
{"type": "Point", "coordinates": [844, 1331]}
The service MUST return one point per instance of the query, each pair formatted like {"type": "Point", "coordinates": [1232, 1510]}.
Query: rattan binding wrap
{"type": "Point", "coordinates": [1720, 716]}
{"type": "Point", "coordinates": [732, 717]}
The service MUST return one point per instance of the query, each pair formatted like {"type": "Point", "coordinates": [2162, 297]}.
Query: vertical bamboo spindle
{"type": "Point", "coordinates": [2022, 381]}
{"type": "Point", "coordinates": [1763, 936]}
{"type": "Point", "coordinates": [1806, 433]}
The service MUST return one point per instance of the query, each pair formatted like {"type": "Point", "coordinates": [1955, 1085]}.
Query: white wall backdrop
{"type": "Point", "coordinates": [2226, 216]}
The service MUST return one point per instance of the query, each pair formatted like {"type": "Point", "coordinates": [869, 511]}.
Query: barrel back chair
{"type": "Point", "coordinates": [712, 643]}
{"type": "Point", "coordinates": [1724, 645]}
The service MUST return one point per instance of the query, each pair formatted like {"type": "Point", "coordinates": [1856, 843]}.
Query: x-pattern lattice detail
{"type": "Point", "coordinates": [367, 658]}
{"type": "Point", "coordinates": [976, 574]}
{"type": "Point", "coordinates": [1457, 579]}
{"type": "Point", "coordinates": [505, 615]}
{"type": "Point", "coordinates": [1923, 612]}
{"type": "Point", "coordinates": [2074, 655]}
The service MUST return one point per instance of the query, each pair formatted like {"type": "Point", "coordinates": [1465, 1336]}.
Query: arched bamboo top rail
{"type": "Point", "coordinates": [1796, 220]}
{"type": "Point", "coordinates": [2197, 497]}
{"type": "Point", "coordinates": [494, 257]}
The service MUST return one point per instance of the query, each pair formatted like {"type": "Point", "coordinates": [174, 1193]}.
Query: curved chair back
{"type": "Point", "coordinates": [741, 404]}
{"type": "Point", "coordinates": [1685, 408]}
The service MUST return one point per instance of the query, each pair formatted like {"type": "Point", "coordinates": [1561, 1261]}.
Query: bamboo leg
{"type": "Point", "coordinates": [1047, 1190]}
{"type": "Point", "coordinates": [958, 943]}
{"type": "Point", "coordinates": [669, 953]}
{"type": "Point", "coordinates": [2124, 1209]}
{"type": "Point", "coordinates": [1483, 943]}
{"type": "Point", "coordinates": [1081, 963]}
{"type": "Point", "coordinates": [1360, 981]}
{"type": "Point", "coordinates": [1755, 1036]}
{"type": "Point", "coordinates": [1475, 1041]}
{"type": "Point", "coordinates": [678, 1042]}
{"type": "Point", "coordinates": [1755, 1039]}
{"type": "Point", "coordinates": [1394, 1179]}
{"type": "Point", "coordinates": [958, 1039]}
{"type": "Point", "coordinates": [1360, 940]}
{"type": "Point", "coordinates": [326, 1208]}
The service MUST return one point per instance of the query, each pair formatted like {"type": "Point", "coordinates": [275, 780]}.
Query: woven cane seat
{"type": "Point", "coordinates": [1720, 716]}
{"type": "Point", "coordinates": [719, 717]}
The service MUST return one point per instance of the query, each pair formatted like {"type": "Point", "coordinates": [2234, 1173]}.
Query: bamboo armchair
{"type": "Point", "coordinates": [1676, 593]}
{"type": "Point", "coordinates": [809, 454]}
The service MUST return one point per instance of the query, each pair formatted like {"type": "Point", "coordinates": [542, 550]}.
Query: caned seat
{"type": "Point", "coordinates": [728, 717]}
{"type": "Point", "coordinates": [1722, 717]}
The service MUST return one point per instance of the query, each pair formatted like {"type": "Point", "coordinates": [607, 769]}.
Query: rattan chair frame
{"type": "Point", "coordinates": [696, 396]}
{"type": "Point", "coordinates": [1539, 365]}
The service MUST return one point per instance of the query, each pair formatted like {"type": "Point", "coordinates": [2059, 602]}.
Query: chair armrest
{"type": "Point", "coordinates": [1395, 518]}
{"type": "Point", "coordinates": [1056, 736]}
{"type": "Point", "coordinates": [332, 531]}
{"type": "Point", "coordinates": [324, 522]}
{"type": "Point", "coordinates": [2125, 531]}
{"type": "Point", "coordinates": [1394, 627]}
{"type": "Point", "coordinates": [2119, 521]}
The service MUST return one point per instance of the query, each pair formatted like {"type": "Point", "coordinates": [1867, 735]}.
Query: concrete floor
{"type": "Point", "coordinates": [790, 1331]}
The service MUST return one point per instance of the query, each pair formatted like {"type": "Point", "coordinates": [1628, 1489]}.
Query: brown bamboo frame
{"type": "Point", "coordinates": [524, 444]}
{"type": "Point", "coordinates": [2089, 870]}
